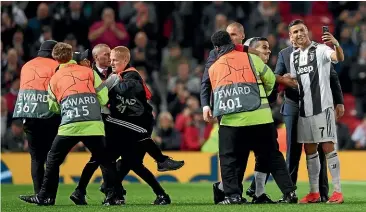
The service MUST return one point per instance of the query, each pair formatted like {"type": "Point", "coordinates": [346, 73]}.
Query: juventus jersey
{"type": "Point", "coordinates": [311, 67]}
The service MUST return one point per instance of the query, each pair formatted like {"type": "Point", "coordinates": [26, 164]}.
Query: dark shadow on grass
{"type": "Point", "coordinates": [185, 204]}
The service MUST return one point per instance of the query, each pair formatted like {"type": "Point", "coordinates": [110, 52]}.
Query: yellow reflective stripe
{"type": "Point", "coordinates": [267, 88]}
{"type": "Point", "coordinates": [265, 69]}
{"type": "Point", "coordinates": [100, 87]}
{"type": "Point", "coordinates": [254, 70]}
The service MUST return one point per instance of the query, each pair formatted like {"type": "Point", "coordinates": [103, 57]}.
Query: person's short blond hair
{"type": "Point", "coordinates": [62, 52]}
{"type": "Point", "coordinates": [122, 52]}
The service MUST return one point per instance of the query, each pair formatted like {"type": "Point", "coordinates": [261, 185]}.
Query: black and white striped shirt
{"type": "Point", "coordinates": [311, 67]}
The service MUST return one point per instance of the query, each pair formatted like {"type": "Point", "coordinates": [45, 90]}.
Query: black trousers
{"type": "Point", "coordinates": [235, 144]}
{"type": "Point", "coordinates": [133, 150]}
{"type": "Point", "coordinates": [113, 136]}
{"type": "Point", "coordinates": [294, 151]}
{"type": "Point", "coordinates": [278, 157]}
{"type": "Point", "coordinates": [132, 159]}
{"type": "Point", "coordinates": [40, 134]}
{"type": "Point", "coordinates": [59, 150]}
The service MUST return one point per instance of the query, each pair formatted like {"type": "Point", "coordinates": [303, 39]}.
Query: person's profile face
{"type": "Point", "coordinates": [235, 34]}
{"type": "Point", "coordinates": [103, 57]}
{"type": "Point", "coordinates": [118, 62]}
{"type": "Point", "coordinates": [263, 47]}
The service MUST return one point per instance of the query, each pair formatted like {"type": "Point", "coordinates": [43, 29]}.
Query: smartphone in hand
{"type": "Point", "coordinates": [325, 29]}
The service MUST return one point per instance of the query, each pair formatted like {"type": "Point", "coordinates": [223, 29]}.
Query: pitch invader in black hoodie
{"type": "Point", "coordinates": [130, 118]}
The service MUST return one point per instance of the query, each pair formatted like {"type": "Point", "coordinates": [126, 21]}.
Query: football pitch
{"type": "Point", "coordinates": [185, 198]}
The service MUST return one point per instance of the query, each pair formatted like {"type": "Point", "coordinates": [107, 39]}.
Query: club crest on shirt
{"type": "Point", "coordinates": [311, 56]}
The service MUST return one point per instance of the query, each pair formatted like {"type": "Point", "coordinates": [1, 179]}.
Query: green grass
{"type": "Point", "coordinates": [185, 198]}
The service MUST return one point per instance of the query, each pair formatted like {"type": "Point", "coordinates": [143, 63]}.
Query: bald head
{"type": "Point", "coordinates": [101, 54]}
{"type": "Point", "coordinates": [236, 32]}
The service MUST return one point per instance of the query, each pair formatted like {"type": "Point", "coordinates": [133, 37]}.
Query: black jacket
{"type": "Point", "coordinates": [127, 99]}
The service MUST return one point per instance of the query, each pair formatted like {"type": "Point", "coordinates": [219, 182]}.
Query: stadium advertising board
{"type": "Point", "coordinates": [15, 168]}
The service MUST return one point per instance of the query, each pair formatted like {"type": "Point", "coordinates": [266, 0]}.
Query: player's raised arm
{"type": "Point", "coordinates": [334, 56]}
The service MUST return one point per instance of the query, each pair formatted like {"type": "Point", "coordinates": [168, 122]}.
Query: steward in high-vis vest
{"type": "Point", "coordinates": [32, 101]}
{"type": "Point", "coordinates": [78, 196]}
{"type": "Point", "coordinates": [77, 93]}
{"type": "Point", "coordinates": [40, 124]}
{"type": "Point", "coordinates": [237, 88]}
{"type": "Point", "coordinates": [240, 84]}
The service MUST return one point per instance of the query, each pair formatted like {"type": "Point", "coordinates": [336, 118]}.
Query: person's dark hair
{"type": "Point", "coordinates": [295, 22]}
{"type": "Point", "coordinates": [253, 41]}
{"type": "Point", "coordinates": [220, 38]}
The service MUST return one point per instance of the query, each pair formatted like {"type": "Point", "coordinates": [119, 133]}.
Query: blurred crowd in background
{"type": "Point", "coordinates": [169, 43]}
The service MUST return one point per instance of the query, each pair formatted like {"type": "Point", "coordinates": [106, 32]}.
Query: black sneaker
{"type": "Point", "coordinates": [217, 193]}
{"type": "Point", "coordinates": [34, 199]}
{"type": "Point", "coordinates": [113, 199]}
{"type": "Point", "coordinates": [289, 198]}
{"type": "Point", "coordinates": [244, 201]}
{"type": "Point", "coordinates": [250, 192]}
{"type": "Point", "coordinates": [78, 197]}
{"type": "Point", "coordinates": [324, 198]}
{"type": "Point", "coordinates": [231, 201]}
{"type": "Point", "coordinates": [162, 200]}
{"type": "Point", "coordinates": [262, 199]}
{"type": "Point", "coordinates": [169, 165]}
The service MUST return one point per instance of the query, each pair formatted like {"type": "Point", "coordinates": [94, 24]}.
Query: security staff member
{"type": "Point", "coordinates": [78, 196]}
{"type": "Point", "coordinates": [40, 124]}
{"type": "Point", "coordinates": [237, 34]}
{"type": "Point", "coordinates": [77, 93]}
{"type": "Point", "coordinates": [290, 112]}
{"type": "Point", "coordinates": [261, 44]}
{"type": "Point", "coordinates": [240, 84]}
